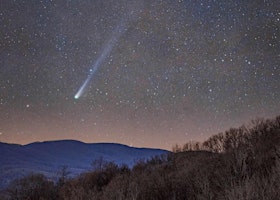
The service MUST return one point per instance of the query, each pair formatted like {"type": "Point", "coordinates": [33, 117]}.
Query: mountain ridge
{"type": "Point", "coordinates": [78, 141]}
{"type": "Point", "coordinates": [48, 157]}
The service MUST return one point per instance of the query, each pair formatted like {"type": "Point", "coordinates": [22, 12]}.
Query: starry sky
{"type": "Point", "coordinates": [159, 72]}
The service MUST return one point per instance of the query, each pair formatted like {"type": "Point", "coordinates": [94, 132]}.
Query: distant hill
{"type": "Point", "coordinates": [48, 157]}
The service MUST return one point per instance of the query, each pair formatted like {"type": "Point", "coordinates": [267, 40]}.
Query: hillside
{"type": "Point", "coordinates": [241, 163]}
{"type": "Point", "coordinates": [49, 157]}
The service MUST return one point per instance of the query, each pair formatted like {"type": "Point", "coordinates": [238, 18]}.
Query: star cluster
{"type": "Point", "coordinates": [182, 70]}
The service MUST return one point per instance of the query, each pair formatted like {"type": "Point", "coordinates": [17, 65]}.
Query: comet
{"type": "Point", "coordinates": [117, 33]}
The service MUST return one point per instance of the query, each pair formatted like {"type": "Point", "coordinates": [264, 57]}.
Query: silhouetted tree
{"type": "Point", "coordinates": [32, 187]}
{"type": "Point", "coordinates": [63, 173]}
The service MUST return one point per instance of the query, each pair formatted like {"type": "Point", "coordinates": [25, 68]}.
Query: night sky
{"type": "Point", "coordinates": [152, 73]}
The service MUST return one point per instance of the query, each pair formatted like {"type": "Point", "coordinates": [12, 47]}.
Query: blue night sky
{"type": "Point", "coordinates": [150, 73]}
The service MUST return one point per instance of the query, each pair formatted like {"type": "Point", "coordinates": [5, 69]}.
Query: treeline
{"type": "Point", "coordinates": [241, 163]}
